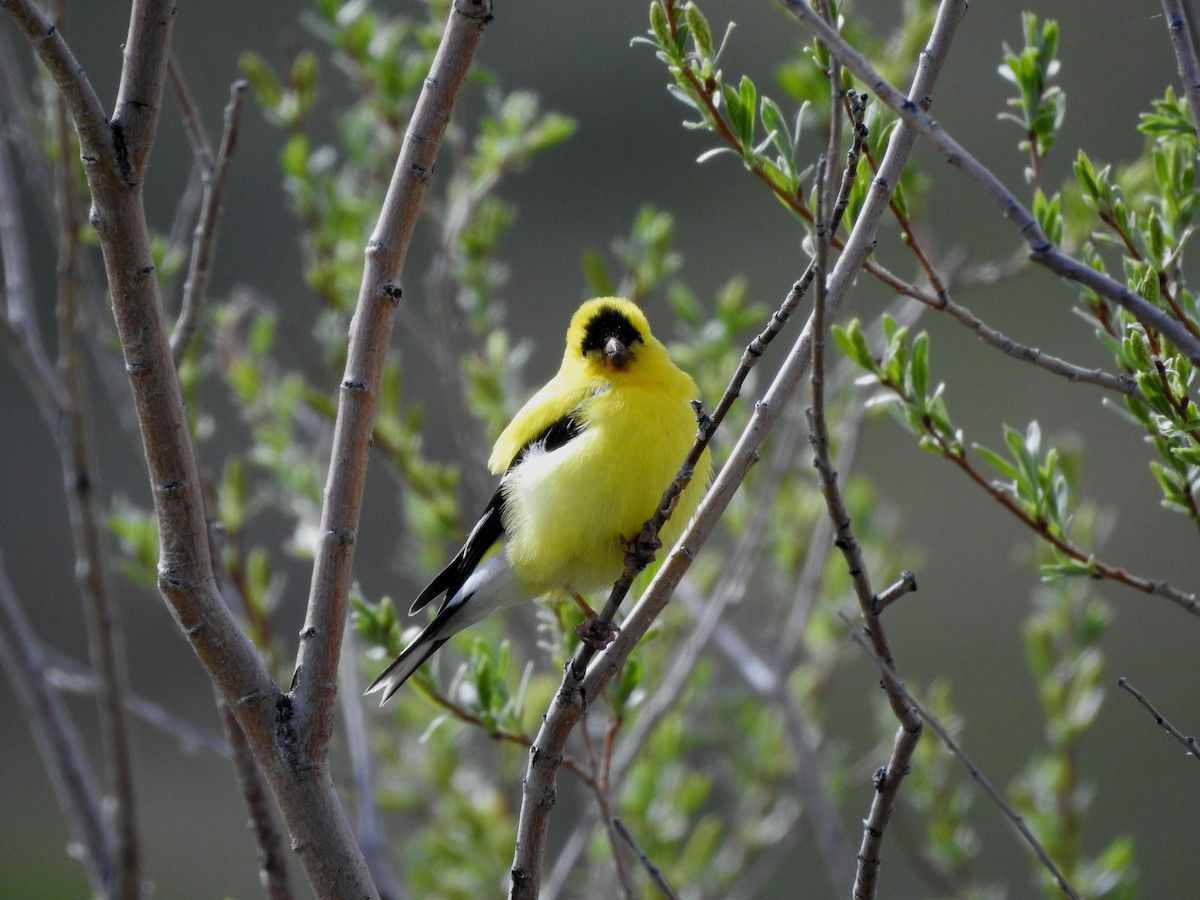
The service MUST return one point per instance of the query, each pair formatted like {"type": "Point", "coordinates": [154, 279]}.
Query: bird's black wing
{"type": "Point", "coordinates": [488, 530]}
{"type": "Point", "coordinates": [490, 527]}
{"type": "Point", "coordinates": [553, 436]}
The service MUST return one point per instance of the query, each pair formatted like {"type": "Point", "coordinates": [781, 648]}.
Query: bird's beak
{"type": "Point", "coordinates": [616, 353]}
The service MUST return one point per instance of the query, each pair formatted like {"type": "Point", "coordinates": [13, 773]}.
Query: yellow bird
{"type": "Point", "coordinates": [583, 464]}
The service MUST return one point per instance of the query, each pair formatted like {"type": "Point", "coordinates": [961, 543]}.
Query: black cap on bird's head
{"type": "Point", "coordinates": [612, 334]}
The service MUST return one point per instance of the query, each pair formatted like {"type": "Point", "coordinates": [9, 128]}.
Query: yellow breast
{"type": "Point", "coordinates": [570, 511]}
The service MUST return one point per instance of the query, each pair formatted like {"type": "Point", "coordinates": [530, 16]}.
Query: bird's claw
{"type": "Point", "coordinates": [641, 551]}
{"type": "Point", "coordinates": [591, 633]}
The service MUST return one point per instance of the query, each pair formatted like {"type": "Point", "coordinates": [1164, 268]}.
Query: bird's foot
{"type": "Point", "coordinates": [595, 635]}
{"type": "Point", "coordinates": [590, 631]}
{"type": "Point", "coordinates": [640, 551]}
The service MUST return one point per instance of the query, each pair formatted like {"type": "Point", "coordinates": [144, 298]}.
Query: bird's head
{"type": "Point", "coordinates": [609, 335]}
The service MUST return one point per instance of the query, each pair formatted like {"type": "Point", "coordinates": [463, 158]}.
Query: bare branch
{"type": "Point", "coordinates": [189, 115]}
{"type": "Point", "coordinates": [16, 112]}
{"type": "Point", "coordinates": [1018, 822]}
{"type": "Point", "coordinates": [315, 681]}
{"type": "Point", "coordinates": [86, 110]}
{"type": "Point", "coordinates": [215, 178]}
{"type": "Point", "coordinates": [1042, 250]}
{"type": "Point", "coordinates": [139, 97]}
{"type": "Point", "coordinates": [656, 874]}
{"type": "Point", "coordinates": [362, 779]}
{"type": "Point", "coordinates": [1187, 740]}
{"type": "Point", "coordinates": [18, 325]}
{"type": "Point", "coordinates": [57, 740]}
{"type": "Point", "coordinates": [65, 674]}
{"type": "Point", "coordinates": [271, 862]}
{"type": "Point", "coordinates": [88, 530]}
{"type": "Point", "coordinates": [1121, 384]}
{"type": "Point", "coordinates": [906, 584]}
{"type": "Point", "coordinates": [887, 780]}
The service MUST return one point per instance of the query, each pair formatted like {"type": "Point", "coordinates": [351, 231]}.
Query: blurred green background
{"type": "Point", "coordinates": [629, 151]}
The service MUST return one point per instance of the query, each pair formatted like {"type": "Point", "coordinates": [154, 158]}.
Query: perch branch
{"type": "Point", "coordinates": [546, 754]}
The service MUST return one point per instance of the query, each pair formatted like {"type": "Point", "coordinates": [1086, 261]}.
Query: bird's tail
{"type": "Point", "coordinates": [393, 677]}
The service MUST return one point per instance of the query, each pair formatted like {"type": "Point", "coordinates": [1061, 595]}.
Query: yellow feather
{"type": "Point", "coordinates": [584, 464]}
{"type": "Point", "coordinates": [570, 513]}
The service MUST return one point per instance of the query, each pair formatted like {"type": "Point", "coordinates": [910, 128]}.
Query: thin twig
{"type": "Point", "coordinates": [15, 112]}
{"type": "Point", "coordinates": [59, 744]}
{"type": "Point", "coordinates": [315, 682]}
{"type": "Point", "coordinates": [906, 584]}
{"type": "Point", "coordinates": [272, 864]}
{"type": "Point", "coordinates": [808, 582]}
{"type": "Point", "coordinates": [200, 264]}
{"type": "Point", "coordinates": [600, 794]}
{"type": "Point", "coordinates": [362, 779]}
{"type": "Point", "coordinates": [187, 210]}
{"type": "Point", "coordinates": [189, 115]}
{"type": "Point", "coordinates": [656, 874]}
{"type": "Point", "coordinates": [982, 780]}
{"type": "Point", "coordinates": [1187, 740]}
{"type": "Point", "coordinates": [887, 780]}
{"type": "Point", "coordinates": [21, 128]}
{"type": "Point", "coordinates": [1042, 250]}
{"type": "Point", "coordinates": [89, 533]}
{"type": "Point", "coordinates": [467, 717]}
{"type": "Point", "coordinates": [65, 674]}
{"type": "Point", "coordinates": [18, 324]}
{"type": "Point", "coordinates": [1122, 383]}
{"type": "Point", "coordinates": [1097, 568]}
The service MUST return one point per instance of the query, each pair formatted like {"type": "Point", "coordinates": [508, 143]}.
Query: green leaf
{"type": "Point", "coordinates": [595, 273]}
{"type": "Point", "coordinates": [749, 100]}
{"type": "Point", "coordinates": [262, 80]}
{"type": "Point", "coordinates": [919, 367]}
{"type": "Point", "coordinates": [853, 341]}
{"type": "Point", "coordinates": [659, 25]}
{"type": "Point", "coordinates": [701, 33]}
{"type": "Point", "coordinates": [997, 462]}
{"type": "Point", "coordinates": [1085, 173]}
{"type": "Point", "coordinates": [777, 127]}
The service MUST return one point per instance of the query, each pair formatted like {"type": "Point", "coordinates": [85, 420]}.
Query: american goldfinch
{"type": "Point", "coordinates": [583, 464]}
